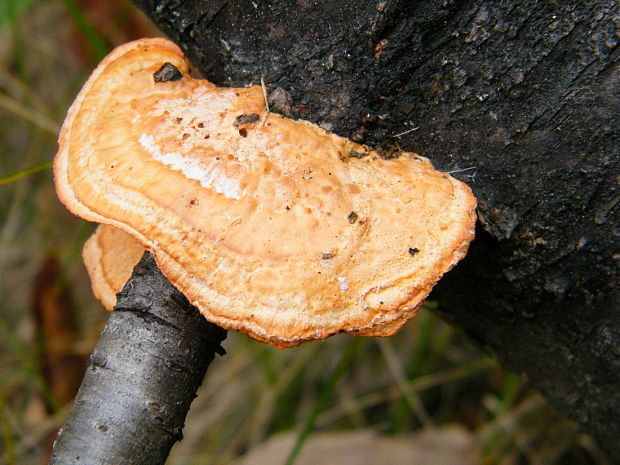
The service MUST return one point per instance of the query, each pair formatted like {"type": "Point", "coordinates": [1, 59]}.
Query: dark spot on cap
{"type": "Point", "coordinates": [167, 72]}
{"type": "Point", "coordinates": [352, 217]}
{"type": "Point", "coordinates": [246, 119]}
{"type": "Point", "coordinates": [413, 251]}
{"type": "Point", "coordinates": [243, 132]}
{"type": "Point", "coordinates": [327, 256]}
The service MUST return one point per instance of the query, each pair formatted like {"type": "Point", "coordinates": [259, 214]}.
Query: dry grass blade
{"type": "Point", "coordinates": [322, 400]}
{"type": "Point", "coordinates": [419, 384]}
{"type": "Point", "coordinates": [262, 414]}
{"type": "Point", "coordinates": [16, 87]}
{"type": "Point", "coordinates": [398, 373]}
{"type": "Point", "coordinates": [38, 119]}
{"type": "Point", "coordinates": [34, 438]}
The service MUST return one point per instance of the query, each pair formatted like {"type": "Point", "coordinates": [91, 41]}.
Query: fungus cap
{"type": "Point", "coordinates": [110, 256]}
{"type": "Point", "coordinates": [270, 226]}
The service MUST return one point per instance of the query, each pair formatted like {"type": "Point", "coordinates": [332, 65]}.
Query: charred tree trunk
{"type": "Point", "coordinates": [519, 99]}
{"type": "Point", "coordinates": [150, 360]}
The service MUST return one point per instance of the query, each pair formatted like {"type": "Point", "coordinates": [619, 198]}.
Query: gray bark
{"type": "Point", "coordinates": [141, 378]}
{"type": "Point", "coordinates": [523, 96]}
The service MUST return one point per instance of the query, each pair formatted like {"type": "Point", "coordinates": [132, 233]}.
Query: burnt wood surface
{"type": "Point", "coordinates": [141, 378]}
{"type": "Point", "coordinates": [519, 99]}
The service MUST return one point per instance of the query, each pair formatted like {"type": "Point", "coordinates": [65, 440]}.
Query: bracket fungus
{"type": "Point", "coordinates": [269, 226]}
{"type": "Point", "coordinates": [110, 256]}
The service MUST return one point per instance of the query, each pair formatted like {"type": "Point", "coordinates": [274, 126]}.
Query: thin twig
{"type": "Point", "coordinates": [264, 87]}
{"type": "Point", "coordinates": [415, 128]}
{"type": "Point", "coordinates": [461, 170]}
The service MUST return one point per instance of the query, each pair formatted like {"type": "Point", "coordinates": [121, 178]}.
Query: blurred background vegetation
{"type": "Point", "coordinates": [425, 396]}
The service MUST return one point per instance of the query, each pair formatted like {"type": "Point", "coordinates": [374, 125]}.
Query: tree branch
{"type": "Point", "coordinates": [141, 378]}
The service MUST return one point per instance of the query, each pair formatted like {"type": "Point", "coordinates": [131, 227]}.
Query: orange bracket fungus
{"type": "Point", "coordinates": [110, 256]}
{"type": "Point", "coordinates": [269, 226]}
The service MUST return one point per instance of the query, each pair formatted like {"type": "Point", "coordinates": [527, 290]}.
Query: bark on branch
{"type": "Point", "coordinates": [150, 360]}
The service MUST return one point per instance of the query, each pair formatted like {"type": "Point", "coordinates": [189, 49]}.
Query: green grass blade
{"type": "Point", "coordinates": [323, 399]}
{"type": "Point", "coordinates": [9, 178]}
{"type": "Point", "coordinates": [28, 114]}
{"type": "Point", "coordinates": [6, 433]}
{"type": "Point", "coordinates": [11, 10]}
{"type": "Point", "coordinates": [507, 396]}
{"type": "Point", "coordinates": [96, 42]}
{"type": "Point", "coordinates": [29, 361]}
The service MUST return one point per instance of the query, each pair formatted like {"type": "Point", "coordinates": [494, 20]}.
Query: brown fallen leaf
{"type": "Point", "coordinates": [61, 367]}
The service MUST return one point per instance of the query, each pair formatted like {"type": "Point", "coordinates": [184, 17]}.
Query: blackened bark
{"type": "Point", "coordinates": [523, 96]}
{"type": "Point", "coordinates": [141, 378]}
